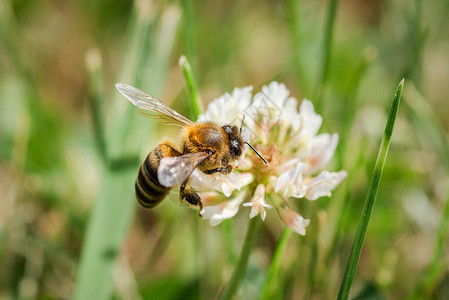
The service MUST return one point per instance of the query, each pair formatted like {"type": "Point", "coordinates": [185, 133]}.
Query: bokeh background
{"type": "Point", "coordinates": [70, 145]}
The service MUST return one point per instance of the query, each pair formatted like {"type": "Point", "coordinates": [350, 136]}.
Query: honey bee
{"type": "Point", "coordinates": [204, 145]}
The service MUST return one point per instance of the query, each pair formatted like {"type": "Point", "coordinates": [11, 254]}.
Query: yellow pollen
{"type": "Point", "coordinates": [271, 154]}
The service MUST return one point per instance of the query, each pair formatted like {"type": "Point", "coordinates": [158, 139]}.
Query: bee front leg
{"type": "Point", "coordinates": [225, 171]}
{"type": "Point", "coordinates": [190, 196]}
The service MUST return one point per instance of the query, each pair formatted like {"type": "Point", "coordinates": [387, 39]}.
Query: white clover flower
{"type": "Point", "coordinates": [288, 139]}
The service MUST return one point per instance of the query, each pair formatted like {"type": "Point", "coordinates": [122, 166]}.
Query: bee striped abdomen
{"type": "Point", "coordinates": [149, 192]}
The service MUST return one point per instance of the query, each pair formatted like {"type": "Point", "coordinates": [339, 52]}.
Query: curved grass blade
{"type": "Point", "coordinates": [195, 105]}
{"type": "Point", "coordinates": [357, 245]}
{"type": "Point", "coordinates": [113, 209]}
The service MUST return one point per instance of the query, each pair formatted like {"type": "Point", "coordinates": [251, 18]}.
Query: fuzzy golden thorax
{"type": "Point", "coordinates": [223, 143]}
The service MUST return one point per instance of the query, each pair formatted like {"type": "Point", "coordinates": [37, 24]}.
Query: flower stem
{"type": "Point", "coordinates": [239, 271]}
{"type": "Point", "coordinates": [229, 236]}
{"type": "Point", "coordinates": [357, 245]}
{"type": "Point", "coordinates": [272, 276]}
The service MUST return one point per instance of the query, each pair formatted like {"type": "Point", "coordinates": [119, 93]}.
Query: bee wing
{"type": "Point", "coordinates": [174, 170]}
{"type": "Point", "coordinates": [149, 104]}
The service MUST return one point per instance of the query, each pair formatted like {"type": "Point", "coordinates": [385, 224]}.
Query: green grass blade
{"type": "Point", "coordinates": [113, 209]}
{"type": "Point", "coordinates": [357, 245]}
{"type": "Point", "coordinates": [195, 105]}
{"type": "Point", "coordinates": [195, 109]}
{"type": "Point", "coordinates": [163, 42]}
{"type": "Point", "coordinates": [117, 134]}
{"type": "Point", "coordinates": [107, 226]}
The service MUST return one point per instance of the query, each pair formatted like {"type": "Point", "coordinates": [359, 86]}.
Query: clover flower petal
{"type": "Point", "coordinates": [321, 149]}
{"type": "Point", "coordinates": [310, 120]}
{"type": "Point", "coordinates": [228, 109]}
{"type": "Point", "coordinates": [258, 203]}
{"type": "Point", "coordinates": [290, 184]}
{"type": "Point", "coordinates": [276, 92]}
{"type": "Point", "coordinates": [293, 220]}
{"type": "Point", "coordinates": [225, 210]}
{"type": "Point", "coordinates": [225, 184]}
{"type": "Point", "coordinates": [323, 184]}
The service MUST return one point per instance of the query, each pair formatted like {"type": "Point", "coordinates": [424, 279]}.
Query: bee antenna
{"type": "Point", "coordinates": [258, 154]}
{"type": "Point", "coordinates": [241, 125]}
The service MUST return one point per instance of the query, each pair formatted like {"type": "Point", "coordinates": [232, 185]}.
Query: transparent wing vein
{"type": "Point", "coordinates": [149, 103]}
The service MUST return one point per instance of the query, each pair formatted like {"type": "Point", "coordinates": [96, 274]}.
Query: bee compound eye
{"type": "Point", "coordinates": [236, 150]}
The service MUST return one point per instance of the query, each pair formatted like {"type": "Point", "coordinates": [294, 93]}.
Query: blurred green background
{"type": "Point", "coordinates": [70, 145]}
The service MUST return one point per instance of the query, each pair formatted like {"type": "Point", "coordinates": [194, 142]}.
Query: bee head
{"type": "Point", "coordinates": [235, 140]}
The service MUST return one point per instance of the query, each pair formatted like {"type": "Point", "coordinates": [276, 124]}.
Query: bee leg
{"type": "Point", "coordinates": [224, 171]}
{"type": "Point", "coordinates": [190, 196]}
